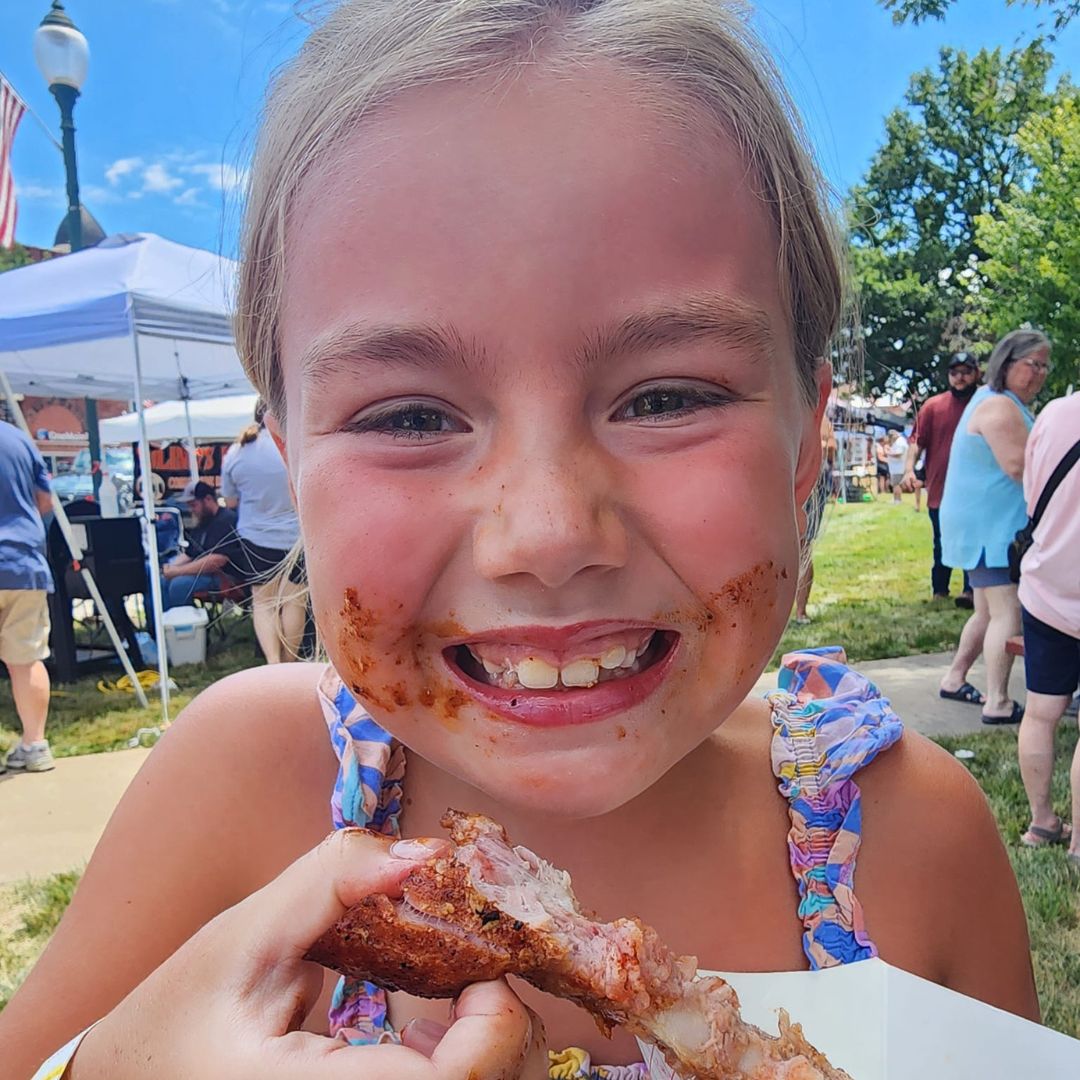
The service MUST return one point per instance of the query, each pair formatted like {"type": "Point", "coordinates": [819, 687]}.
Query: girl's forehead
{"type": "Point", "coordinates": [556, 198]}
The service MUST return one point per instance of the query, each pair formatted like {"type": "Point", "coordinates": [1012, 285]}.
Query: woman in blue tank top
{"type": "Point", "coordinates": [983, 507]}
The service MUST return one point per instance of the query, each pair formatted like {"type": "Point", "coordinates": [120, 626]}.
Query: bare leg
{"type": "Point", "coordinates": [1042, 713]}
{"type": "Point", "coordinates": [264, 614]}
{"type": "Point", "coordinates": [30, 689]}
{"type": "Point", "coordinates": [293, 614]}
{"type": "Point", "coordinates": [1074, 779]}
{"type": "Point", "coordinates": [1004, 624]}
{"type": "Point", "coordinates": [896, 492]}
{"type": "Point", "coordinates": [970, 645]}
{"type": "Point", "coordinates": [802, 593]}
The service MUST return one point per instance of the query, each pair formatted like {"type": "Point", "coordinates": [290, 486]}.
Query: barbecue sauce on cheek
{"type": "Point", "coordinates": [385, 671]}
{"type": "Point", "coordinates": [738, 624]}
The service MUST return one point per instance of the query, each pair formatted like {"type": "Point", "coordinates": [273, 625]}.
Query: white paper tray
{"type": "Point", "coordinates": [880, 1023]}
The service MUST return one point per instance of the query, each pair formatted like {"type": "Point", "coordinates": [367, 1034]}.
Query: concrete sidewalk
{"type": "Point", "coordinates": [51, 821]}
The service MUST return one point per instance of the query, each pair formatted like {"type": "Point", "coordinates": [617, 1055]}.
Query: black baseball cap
{"type": "Point", "coordinates": [196, 489]}
{"type": "Point", "coordinates": [963, 359]}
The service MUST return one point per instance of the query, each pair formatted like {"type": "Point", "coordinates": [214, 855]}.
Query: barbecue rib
{"type": "Point", "coordinates": [487, 909]}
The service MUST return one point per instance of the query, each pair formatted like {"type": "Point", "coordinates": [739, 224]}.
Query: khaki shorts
{"type": "Point", "coordinates": [24, 625]}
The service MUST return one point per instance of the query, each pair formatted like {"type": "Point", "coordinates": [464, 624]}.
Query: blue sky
{"type": "Point", "coordinates": [168, 110]}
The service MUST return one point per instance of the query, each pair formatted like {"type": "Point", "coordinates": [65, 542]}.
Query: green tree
{"type": "Point", "coordinates": [948, 156]}
{"type": "Point", "coordinates": [1031, 270]}
{"type": "Point", "coordinates": [1062, 12]}
{"type": "Point", "coordinates": [13, 257]}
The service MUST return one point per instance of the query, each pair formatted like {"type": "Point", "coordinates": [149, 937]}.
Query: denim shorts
{"type": "Point", "coordinates": [987, 577]}
{"type": "Point", "coordinates": [1051, 658]}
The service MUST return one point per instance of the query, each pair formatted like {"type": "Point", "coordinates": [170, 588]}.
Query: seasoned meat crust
{"type": "Point", "coordinates": [488, 909]}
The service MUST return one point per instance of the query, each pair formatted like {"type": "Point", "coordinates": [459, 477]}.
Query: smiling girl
{"type": "Point", "coordinates": [538, 292]}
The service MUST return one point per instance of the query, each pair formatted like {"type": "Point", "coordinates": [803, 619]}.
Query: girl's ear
{"type": "Point", "coordinates": [809, 466]}
{"type": "Point", "coordinates": [277, 433]}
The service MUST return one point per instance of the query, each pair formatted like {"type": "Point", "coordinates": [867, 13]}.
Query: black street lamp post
{"type": "Point", "coordinates": [63, 56]}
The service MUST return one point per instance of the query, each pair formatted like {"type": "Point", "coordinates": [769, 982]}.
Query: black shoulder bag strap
{"type": "Point", "coordinates": [1064, 465]}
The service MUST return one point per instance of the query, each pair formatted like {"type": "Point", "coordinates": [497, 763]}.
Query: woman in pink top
{"type": "Point", "coordinates": [1050, 597]}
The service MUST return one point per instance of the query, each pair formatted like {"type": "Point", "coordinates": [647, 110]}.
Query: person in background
{"type": "Point", "coordinates": [983, 507]}
{"type": "Point", "coordinates": [213, 548]}
{"type": "Point", "coordinates": [896, 448]}
{"type": "Point", "coordinates": [25, 584]}
{"type": "Point", "coordinates": [1050, 606]}
{"type": "Point", "coordinates": [881, 460]}
{"type": "Point", "coordinates": [935, 425]}
{"type": "Point", "coordinates": [815, 509]}
{"type": "Point", "coordinates": [255, 482]}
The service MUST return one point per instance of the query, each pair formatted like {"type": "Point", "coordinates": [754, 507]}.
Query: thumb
{"type": "Point", "coordinates": [284, 918]}
{"type": "Point", "coordinates": [493, 1035]}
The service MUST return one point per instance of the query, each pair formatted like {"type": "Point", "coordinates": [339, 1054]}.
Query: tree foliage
{"type": "Point", "coordinates": [13, 257]}
{"type": "Point", "coordinates": [1031, 270]}
{"type": "Point", "coordinates": [948, 157]}
{"type": "Point", "coordinates": [1062, 12]}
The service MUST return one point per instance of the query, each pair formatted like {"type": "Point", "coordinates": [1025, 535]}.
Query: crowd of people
{"type": "Point", "coordinates": [988, 463]}
{"type": "Point", "coordinates": [242, 542]}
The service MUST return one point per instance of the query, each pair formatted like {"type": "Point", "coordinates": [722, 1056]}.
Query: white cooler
{"type": "Point", "coordinates": [185, 635]}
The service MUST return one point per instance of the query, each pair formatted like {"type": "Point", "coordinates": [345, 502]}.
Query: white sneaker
{"type": "Point", "coordinates": [36, 758]}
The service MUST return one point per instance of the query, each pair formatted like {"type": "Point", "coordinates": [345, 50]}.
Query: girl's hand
{"type": "Point", "coordinates": [229, 1003]}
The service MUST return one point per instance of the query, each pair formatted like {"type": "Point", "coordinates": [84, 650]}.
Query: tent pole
{"type": "Point", "coordinates": [76, 556]}
{"type": "Point", "coordinates": [151, 541]}
{"type": "Point", "coordinates": [193, 459]}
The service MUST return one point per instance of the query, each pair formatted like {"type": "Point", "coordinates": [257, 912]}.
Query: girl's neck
{"type": "Point", "coordinates": [709, 778]}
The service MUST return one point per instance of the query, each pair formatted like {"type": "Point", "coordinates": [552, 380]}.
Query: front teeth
{"type": "Point", "coordinates": [580, 673]}
{"type": "Point", "coordinates": [536, 674]}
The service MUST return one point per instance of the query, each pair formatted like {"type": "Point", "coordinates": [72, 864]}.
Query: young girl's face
{"type": "Point", "coordinates": [545, 432]}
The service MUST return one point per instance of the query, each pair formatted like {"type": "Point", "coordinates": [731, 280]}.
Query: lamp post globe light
{"type": "Point", "coordinates": [63, 56]}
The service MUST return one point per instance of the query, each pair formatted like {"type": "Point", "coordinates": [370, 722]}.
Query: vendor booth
{"type": "Point", "coordinates": [135, 317]}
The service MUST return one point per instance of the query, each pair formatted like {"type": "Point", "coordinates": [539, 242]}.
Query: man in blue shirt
{"type": "Point", "coordinates": [25, 583]}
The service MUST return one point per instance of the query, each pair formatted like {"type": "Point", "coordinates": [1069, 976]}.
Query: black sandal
{"type": "Point", "coordinates": [1014, 717]}
{"type": "Point", "coordinates": [1036, 836]}
{"type": "Point", "coordinates": [967, 693]}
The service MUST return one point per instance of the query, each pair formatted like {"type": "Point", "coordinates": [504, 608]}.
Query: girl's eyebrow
{"type": "Point", "coordinates": [715, 316]}
{"type": "Point", "coordinates": [721, 318]}
{"type": "Point", "coordinates": [337, 352]}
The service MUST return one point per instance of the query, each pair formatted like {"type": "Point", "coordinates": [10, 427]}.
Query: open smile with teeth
{"type": "Point", "coordinates": [510, 667]}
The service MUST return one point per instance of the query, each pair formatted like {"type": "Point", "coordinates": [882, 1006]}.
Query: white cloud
{"type": "Point", "coordinates": [156, 178]}
{"type": "Point", "coordinates": [95, 195]}
{"type": "Point", "coordinates": [121, 167]}
{"type": "Point", "coordinates": [40, 193]}
{"type": "Point", "coordinates": [188, 197]}
{"type": "Point", "coordinates": [221, 177]}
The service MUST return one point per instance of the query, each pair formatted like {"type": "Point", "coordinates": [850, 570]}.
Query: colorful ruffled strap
{"type": "Point", "coordinates": [367, 794]}
{"type": "Point", "coordinates": [829, 722]}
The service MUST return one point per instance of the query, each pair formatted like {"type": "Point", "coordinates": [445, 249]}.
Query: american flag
{"type": "Point", "coordinates": [11, 112]}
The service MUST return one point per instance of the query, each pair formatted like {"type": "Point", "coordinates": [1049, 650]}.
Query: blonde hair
{"type": "Point", "coordinates": [366, 52]}
{"type": "Point", "coordinates": [251, 432]}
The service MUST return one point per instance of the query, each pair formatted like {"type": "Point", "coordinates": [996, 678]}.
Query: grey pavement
{"type": "Point", "coordinates": [51, 821]}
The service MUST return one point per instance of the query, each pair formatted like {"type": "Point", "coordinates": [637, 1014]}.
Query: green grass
{"type": "Point", "coordinates": [872, 586]}
{"type": "Point", "coordinates": [1049, 884]}
{"type": "Point", "coordinates": [84, 719]}
{"type": "Point", "coordinates": [29, 913]}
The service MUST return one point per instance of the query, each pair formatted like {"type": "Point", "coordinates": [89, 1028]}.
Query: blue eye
{"type": "Point", "coordinates": [670, 402]}
{"type": "Point", "coordinates": [416, 421]}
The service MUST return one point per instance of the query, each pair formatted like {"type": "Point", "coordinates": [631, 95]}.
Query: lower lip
{"type": "Point", "coordinates": [563, 708]}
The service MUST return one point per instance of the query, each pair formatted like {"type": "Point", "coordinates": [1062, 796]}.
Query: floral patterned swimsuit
{"type": "Point", "coordinates": [828, 723]}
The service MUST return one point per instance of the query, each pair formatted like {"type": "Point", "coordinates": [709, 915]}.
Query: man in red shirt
{"type": "Point", "coordinates": [933, 436]}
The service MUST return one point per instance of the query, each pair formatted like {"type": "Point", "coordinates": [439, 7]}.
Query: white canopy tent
{"type": "Point", "coordinates": [213, 420]}
{"type": "Point", "coordinates": [137, 316]}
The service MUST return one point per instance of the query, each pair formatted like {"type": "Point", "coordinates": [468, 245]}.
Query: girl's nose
{"type": "Point", "coordinates": [551, 520]}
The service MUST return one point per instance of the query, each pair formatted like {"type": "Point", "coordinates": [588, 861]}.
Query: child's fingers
{"type": "Point", "coordinates": [283, 919]}
{"type": "Point", "coordinates": [493, 1036]}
